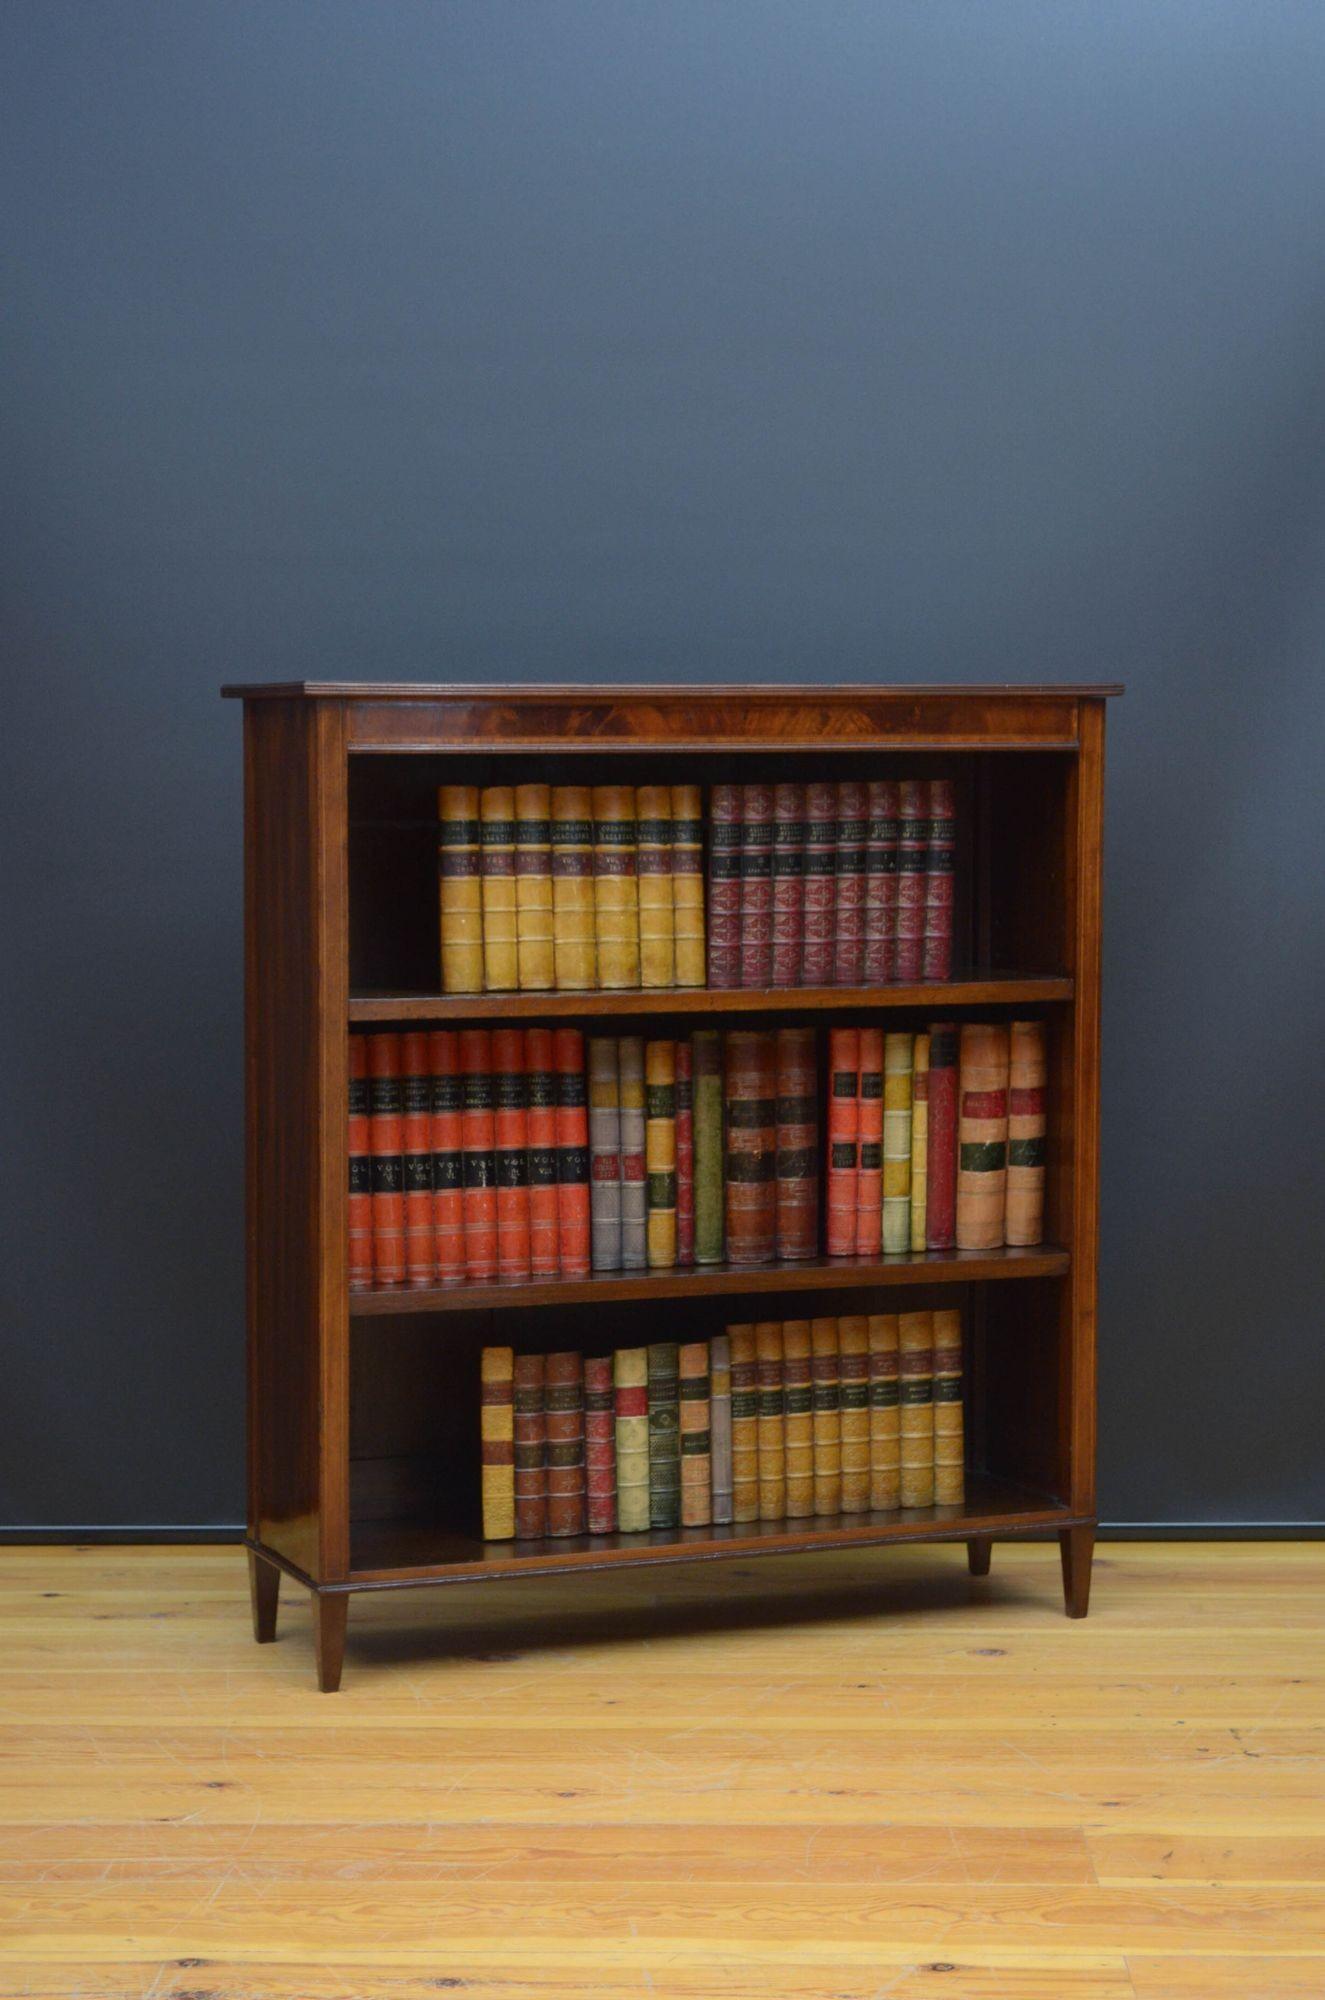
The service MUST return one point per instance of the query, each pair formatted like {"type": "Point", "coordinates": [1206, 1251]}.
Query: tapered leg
{"type": "Point", "coordinates": [329, 1612]}
{"type": "Point", "coordinates": [1076, 1546]}
{"type": "Point", "coordinates": [978, 1551]}
{"type": "Point", "coordinates": [264, 1587]}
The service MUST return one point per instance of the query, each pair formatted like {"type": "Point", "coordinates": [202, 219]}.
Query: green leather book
{"type": "Point", "coordinates": [664, 1435]}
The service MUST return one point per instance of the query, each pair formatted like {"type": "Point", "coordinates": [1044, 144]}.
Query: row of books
{"type": "Point", "coordinates": [778, 1420]}
{"type": "Point", "coordinates": [843, 884]}
{"type": "Point", "coordinates": [570, 886]}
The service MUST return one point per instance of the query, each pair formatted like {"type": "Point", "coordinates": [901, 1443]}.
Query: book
{"type": "Point", "coordinates": [869, 1176]}
{"type": "Point", "coordinates": [530, 1447]}
{"type": "Point", "coordinates": [843, 1139]}
{"type": "Point", "coordinates": [360, 1199]}
{"type": "Point", "coordinates": [460, 889]}
{"type": "Point", "coordinates": [688, 883]}
{"type": "Point", "coordinates": [827, 1417]}
{"type": "Point", "coordinates": [534, 943]}
{"type": "Point", "coordinates": [497, 1442]}
{"type": "Point", "coordinates": [660, 1153]}
{"type": "Point", "coordinates": [885, 1414]}
{"type": "Point", "coordinates": [720, 1420]}
{"type": "Point", "coordinates": [653, 867]}
{"type": "Point", "coordinates": [745, 1423]}
{"type": "Point", "coordinates": [751, 1192]}
{"type": "Point", "coordinates": [631, 1379]}
{"type": "Point", "coordinates": [819, 894]}
{"type": "Point", "coordinates": [685, 1157]}
{"type": "Point", "coordinates": [501, 968]}
{"type": "Point", "coordinates": [919, 1140]}
{"type": "Point", "coordinates": [416, 1158]}
{"type": "Point", "coordinates": [541, 1088]}
{"type": "Point", "coordinates": [757, 885]}
{"type": "Point", "coordinates": [798, 1402]}
{"type": "Point", "coordinates": [664, 1435]}
{"type": "Point", "coordinates": [940, 858]}
{"type": "Point", "coordinates": [982, 1136]}
{"type": "Point", "coordinates": [634, 1189]}
{"type": "Point", "coordinates": [881, 821]}
{"type": "Point", "coordinates": [572, 1130]}
{"type": "Point", "coordinates": [616, 886]}
{"type": "Point", "coordinates": [478, 1135]}
{"type": "Point", "coordinates": [604, 1154]}
{"type": "Point", "coordinates": [724, 911]}
{"type": "Point", "coordinates": [797, 1139]}
{"type": "Point", "coordinates": [1027, 1074]}
{"type": "Point", "coordinates": [915, 1344]}
{"type": "Point", "coordinates": [849, 885]}
{"type": "Point", "coordinates": [599, 1445]}
{"type": "Point", "coordinates": [853, 1369]}
{"type": "Point", "coordinates": [949, 1448]}
{"type": "Point", "coordinates": [772, 1422]}
{"type": "Point", "coordinates": [511, 1132]}
{"type": "Point", "coordinates": [574, 950]}
{"type": "Point", "coordinates": [941, 1139]}
{"type": "Point", "coordinates": [384, 1138]}
{"type": "Point", "coordinates": [788, 883]}
{"type": "Point", "coordinates": [897, 1059]}
{"type": "Point", "coordinates": [696, 1435]}
{"type": "Point", "coordinates": [707, 1086]}
{"type": "Point", "coordinates": [912, 846]}
{"type": "Point", "coordinates": [566, 1511]}
{"type": "Point", "coordinates": [448, 1159]}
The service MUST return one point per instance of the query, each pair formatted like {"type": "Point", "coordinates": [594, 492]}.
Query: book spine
{"type": "Point", "coordinates": [501, 961]}
{"type": "Point", "coordinates": [460, 889]}
{"type": "Point", "coordinates": [885, 1413]}
{"type": "Point", "coordinates": [757, 886]}
{"type": "Point", "coordinates": [416, 1158]}
{"type": "Point", "coordinates": [497, 1442]}
{"type": "Point", "coordinates": [881, 832]}
{"type": "Point", "coordinates": [478, 1129]}
{"type": "Point", "coordinates": [720, 1395]}
{"type": "Point", "coordinates": [631, 1378]}
{"type": "Point", "coordinates": [616, 886]}
{"type": "Point", "coordinates": [688, 883]}
{"type": "Point", "coordinates": [916, 1344]}
{"type": "Point", "coordinates": [940, 879]}
{"type": "Point", "coordinates": [360, 1199]}
{"type": "Point", "coordinates": [572, 1128]}
{"type": "Point", "coordinates": [634, 1188]}
{"type": "Point", "coordinates": [565, 1445]}
{"type": "Point", "coordinates": [982, 1137]}
{"type": "Point", "coordinates": [530, 1448]}
{"type": "Point", "coordinates": [897, 1060]}
{"type": "Point", "coordinates": [574, 954]}
{"type": "Point", "coordinates": [541, 1085]}
{"type": "Point", "coordinates": [941, 1143]}
{"type": "Point", "coordinates": [724, 941]}
{"type": "Point", "coordinates": [685, 1157]}
{"type": "Point", "coordinates": [849, 886]}
{"type": "Point", "coordinates": [385, 1138]}
{"type": "Point", "coordinates": [660, 1153]}
{"type": "Point", "coordinates": [949, 1445]}
{"type": "Point", "coordinates": [511, 1128]}
{"type": "Point", "coordinates": [706, 1060]}
{"type": "Point", "coordinates": [798, 1397]}
{"type": "Point", "coordinates": [604, 1154]}
{"type": "Point", "coordinates": [745, 1424]}
{"type": "Point", "coordinates": [696, 1435]}
{"type": "Point", "coordinates": [919, 1141]}
{"type": "Point", "coordinates": [1027, 1075]}
{"type": "Point", "coordinates": [912, 844]}
{"type": "Point", "coordinates": [653, 862]}
{"type": "Point", "coordinates": [448, 1156]}
{"type": "Point", "coordinates": [664, 1435]}
{"type": "Point", "coordinates": [819, 896]}
{"type": "Point", "coordinates": [600, 1445]}
{"type": "Point", "coordinates": [853, 1365]}
{"type": "Point", "coordinates": [827, 1417]}
{"type": "Point", "coordinates": [843, 1139]}
{"type": "Point", "coordinates": [797, 1145]}
{"type": "Point", "coordinates": [788, 882]}
{"type": "Point", "coordinates": [772, 1422]}
{"type": "Point", "coordinates": [535, 952]}
{"type": "Point", "coordinates": [869, 1178]}
{"type": "Point", "coordinates": [751, 1091]}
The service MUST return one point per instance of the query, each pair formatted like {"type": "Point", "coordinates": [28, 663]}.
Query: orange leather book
{"type": "Point", "coordinates": [869, 1179]}
{"type": "Point", "coordinates": [360, 1203]}
{"type": "Point", "coordinates": [384, 1120]}
{"type": "Point", "coordinates": [541, 1085]}
{"type": "Point", "coordinates": [843, 1139]}
{"type": "Point", "coordinates": [479, 1140]}
{"type": "Point", "coordinates": [572, 1154]}
{"type": "Point", "coordinates": [448, 1157]}
{"type": "Point", "coordinates": [416, 1160]}
{"type": "Point", "coordinates": [511, 1124]}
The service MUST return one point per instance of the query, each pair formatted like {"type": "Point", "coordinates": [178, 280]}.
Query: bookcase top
{"type": "Point", "coordinates": [648, 691]}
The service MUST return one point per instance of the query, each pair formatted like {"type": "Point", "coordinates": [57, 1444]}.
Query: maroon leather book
{"type": "Point", "coordinates": [565, 1445]}
{"type": "Point", "coordinates": [849, 886]}
{"type": "Point", "coordinates": [788, 882]}
{"type": "Point", "coordinates": [600, 1444]}
{"type": "Point", "coordinates": [881, 819]}
{"type": "Point", "coordinates": [685, 1156]}
{"type": "Point", "coordinates": [940, 854]}
{"type": "Point", "coordinates": [912, 843]}
{"type": "Point", "coordinates": [751, 1094]}
{"type": "Point", "coordinates": [757, 886]}
{"type": "Point", "coordinates": [530, 1449]}
{"type": "Point", "coordinates": [797, 1144]}
{"type": "Point", "coordinates": [724, 914]}
{"type": "Point", "coordinates": [820, 885]}
{"type": "Point", "coordinates": [941, 1138]}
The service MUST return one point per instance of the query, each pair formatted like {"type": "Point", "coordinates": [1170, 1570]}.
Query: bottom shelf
{"type": "Point", "coordinates": [412, 1552]}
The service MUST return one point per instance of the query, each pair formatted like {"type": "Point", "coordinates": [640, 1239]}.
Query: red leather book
{"type": "Point", "coordinates": [724, 945]}
{"type": "Point", "coordinates": [881, 827]}
{"type": "Point", "coordinates": [685, 1156]}
{"type": "Point", "coordinates": [941, 1148]}
{"type": "Point", "coordinates": [869, 1177]}
{"type": "Point", "coordinates": [385, 1139]}
{"type": "Point", "coordinates": [566, 1514]}
{"type": "Point", "coordinates": [416, 1161]}
{"type": "Point", "coordinates": [849, 886]}
{"type": "Point", "coordinates": [940, 852]}
{"type": "Point", "coordinates": [512, 1134]}
{"type": "Point", "coordinates": [757, 885]}
{"type": "Point", "coordinates": [572, 1154]}
{"type": "Point", "coordinates": [751, 1094]}
{"type": "Point", "coordinates": [360, 1203]}
{"type": "Point", "coordinates": [448, 1159]}
{"type": "Point", "coordinates": [479, 1140]}
{"type": "Point", "coordinates": [530, 1448]}
{"type": "Point", "coordinates": [820, 891]}
{"type": "Point", "coordinates": [788, 882]}
{"type": "Point", "coordinates": [912, 844]}
{"type": "Point", "coordinates": [843, 1138]}
{"type": "Point", "coordinates": [541, 1087]}
{"type": "Point", "coordinates": [797, 1145]}
{"type": "Point", "coordinates": [600, 1444]}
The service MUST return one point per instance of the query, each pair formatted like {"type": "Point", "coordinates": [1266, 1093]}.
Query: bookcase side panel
{"type": "Point", "coordinates": [1079, 1082]}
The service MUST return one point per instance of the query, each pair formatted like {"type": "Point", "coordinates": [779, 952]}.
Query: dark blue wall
{"type": "Point", "coordinates": [679, 340]}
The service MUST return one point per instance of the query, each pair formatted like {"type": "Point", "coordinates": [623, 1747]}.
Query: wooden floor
{"type": "Point", "coordinates": [905, 1783]}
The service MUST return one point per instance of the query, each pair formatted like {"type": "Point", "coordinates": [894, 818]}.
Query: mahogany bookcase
{"type": "Point", "coordinates": [363, 1409]}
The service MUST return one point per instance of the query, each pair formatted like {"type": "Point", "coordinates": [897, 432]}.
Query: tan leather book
{"type": "Point", "coordinates": [1027, 1077]}
{"type": "Point", "coordinates": [616, 886]}
{"type": "Point", "coordinates": [919, 1140]}
{"type": "Point", "coordinates": [982, 1137]}
{"type": "Point", "coordinates": [688, 883]}
{"type": "Point", "coordinates": [745, 1423]}
{"type": "Point", "coordinates": [798, 1394]}
{"type": "Point", "coordinates": [460, 889]}
{"type": "Point", "coordinates": [574, 956]}
{"type": "Point", "coordinates": [885, 1413]}
{"type": "Point", "coordinates": [772, 1422]}
{"type": "Point", "coordinates": [853, 1363]}
{"type": "Point", "coordinates": [917, 1403]}
{"type": "Point", "coordinates": [496, 807]}
{"type": "Point", "coordinates": [696, 1435]}
{"type": "Point", "coordinates": [533, 887]}
{"type": "Point", "coordinates": [827, 1417]}
{"type": "Point", "coordinates": [653, 868]}
{"type": "Point", "coordinates": [949, 1443]}
{"type": "Point", "coordinates": [497, 1441]}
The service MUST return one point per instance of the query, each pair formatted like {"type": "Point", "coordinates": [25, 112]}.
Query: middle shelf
{"type": "Point", "coordinates": [973, 990]}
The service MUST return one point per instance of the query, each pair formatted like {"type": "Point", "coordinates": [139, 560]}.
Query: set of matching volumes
{"type": "Point", "coordinates": [779, 1420]}
{"type": "Point", "coordinates": [847, 884]}
{"type": "Point", "coordinates": [570, 887]}
{"type": "Point", "coordinates": [935, 1141]}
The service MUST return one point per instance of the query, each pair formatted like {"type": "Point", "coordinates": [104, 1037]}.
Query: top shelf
{"type": "Point", "coordinates": [1012, 989]}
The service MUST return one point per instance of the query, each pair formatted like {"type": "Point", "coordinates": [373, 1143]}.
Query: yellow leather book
{"type": "Point", "coordinates": [496, 807]}
{"type": "Point", "coordinates": [533, 887]}
{"type": "Point", "coordinates": [745, 1423]}
{"type": "Point", "coordinates": [885, 1414]}
{"type": "Point", "coordinates": [660, 1153]}
{"type": "Point", "coordinates": [688, 883]}
{"type": "Point", "coordinates": [949, 1443]}
{"type": "Point", "coordinates": [497, 1441]}
{"type": "Point", "coordinates": [897, 1060]}
{"type": "Point", "coordinates": [772, 1422]}
{"type": "Point", "coordinates": [917, 1401]}
{"type": "Point", "coordinates": [574, 958]}
{"type": "Point", "coordinates": [798, 1396]}
{"type": "Point", "coordinates": [460, 889]}
{"type": "Point", "coordinates": [919, 1140]}
{"type": "Point", "coordinates": [827, 1417]}
{"type": "Point", "coordinates": [653, 868]}
{"type": "Point", "coordinates": [616, 886]}
{"type": "Point", "coordinates": [853, 1362]}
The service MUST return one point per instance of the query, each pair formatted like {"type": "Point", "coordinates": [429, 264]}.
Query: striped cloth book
{"type": "Point", "coordinates": [720, 1423]}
